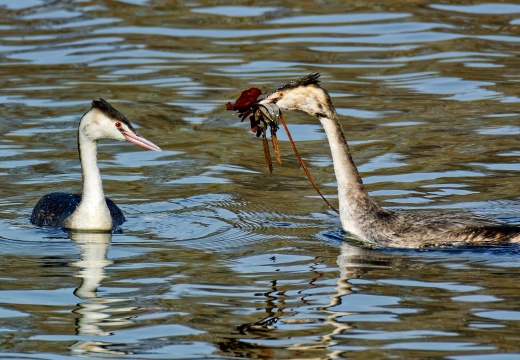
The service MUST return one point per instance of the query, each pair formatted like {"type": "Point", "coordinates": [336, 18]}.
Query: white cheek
{"type": "Point", "coordinates": [114, 133]}
{"type": "Point", "coordinates": [322, 98]}
{"type": "Point", "coordinates": [92, 132]}
{"type": "Point", "coordinates": [119, 136]}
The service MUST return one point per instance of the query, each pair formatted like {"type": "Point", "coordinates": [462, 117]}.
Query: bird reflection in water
{"type": "Point", "coordinates": [94, 312]}
{"type": "Point", "coordinates": [353, 262]}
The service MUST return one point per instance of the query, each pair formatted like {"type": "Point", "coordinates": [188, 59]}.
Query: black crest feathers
{"type": "Point", "coordinates": [111, 112]}
{"type": "Point", "coordinates": [311, 79]}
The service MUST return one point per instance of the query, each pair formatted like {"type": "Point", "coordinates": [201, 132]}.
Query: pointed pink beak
{"type": "Point", "coordinates": [139, 140]}
{"type": "Point", "coordinates": [266, 101]}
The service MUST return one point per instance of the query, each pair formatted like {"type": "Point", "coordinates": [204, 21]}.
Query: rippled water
{"type": "Point", "coordinates": [219, 258]}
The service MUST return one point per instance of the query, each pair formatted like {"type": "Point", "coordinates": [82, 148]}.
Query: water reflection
{"type": "Point", "coordinates": [282, 317]}
{"type": "Point", "coordinates": [364, 313]}
{"type": "Point", "coordinates": [94, 312]}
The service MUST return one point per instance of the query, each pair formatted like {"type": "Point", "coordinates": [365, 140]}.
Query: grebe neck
{"type": "Point", "coordinates": [355, 206]}
{"type": "Point", "coordinates": [92, 213]}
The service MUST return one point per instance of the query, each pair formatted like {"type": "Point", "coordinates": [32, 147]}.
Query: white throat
{"type": "Point", "coordinates": [92, 213]}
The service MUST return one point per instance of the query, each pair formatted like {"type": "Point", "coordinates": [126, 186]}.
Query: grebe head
{"type": "Point", "coordinates": [304, 94]}
{"type": "Point", "coordinates": [103, 121]}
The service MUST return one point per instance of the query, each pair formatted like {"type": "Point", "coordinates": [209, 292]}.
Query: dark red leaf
{"type": "Point", "coordinates": [246, 99]}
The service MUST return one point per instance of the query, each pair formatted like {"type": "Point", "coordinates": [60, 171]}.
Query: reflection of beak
{"type": "Point", "coordinates": [139, 140]}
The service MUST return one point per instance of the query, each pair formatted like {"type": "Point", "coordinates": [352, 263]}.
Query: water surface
{"type": "Point", "coordinates": [219, 258]}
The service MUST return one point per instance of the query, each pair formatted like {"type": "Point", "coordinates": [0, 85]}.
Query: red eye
{"type": "Point", "coordinates": [280, 95]}
{"type": "Point", "coordinates": [118, 125]}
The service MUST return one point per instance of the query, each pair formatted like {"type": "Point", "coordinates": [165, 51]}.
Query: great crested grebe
{"type": "Point", "coordinates": [359, 214]}
{"type": "Point", "coordinates": [91, 210]}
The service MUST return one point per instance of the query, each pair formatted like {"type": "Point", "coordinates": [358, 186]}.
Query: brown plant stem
{"type": "Point", "coordinates": [303, 164]}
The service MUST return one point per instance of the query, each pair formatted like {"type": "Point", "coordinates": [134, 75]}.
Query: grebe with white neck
{"type": "Point", "coordinates": [91, 210]}
{"type": "Point", "coordinates": [359, 214]}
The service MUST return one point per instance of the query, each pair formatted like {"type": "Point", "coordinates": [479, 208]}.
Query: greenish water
{"type": "Point", "coordinates": [219, 258]}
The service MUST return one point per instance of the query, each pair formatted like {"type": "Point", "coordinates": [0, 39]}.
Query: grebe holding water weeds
{"type": "Point", "coordinates": [90, 210]}
{"type": "Point", "coordinates": [359, 214]}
